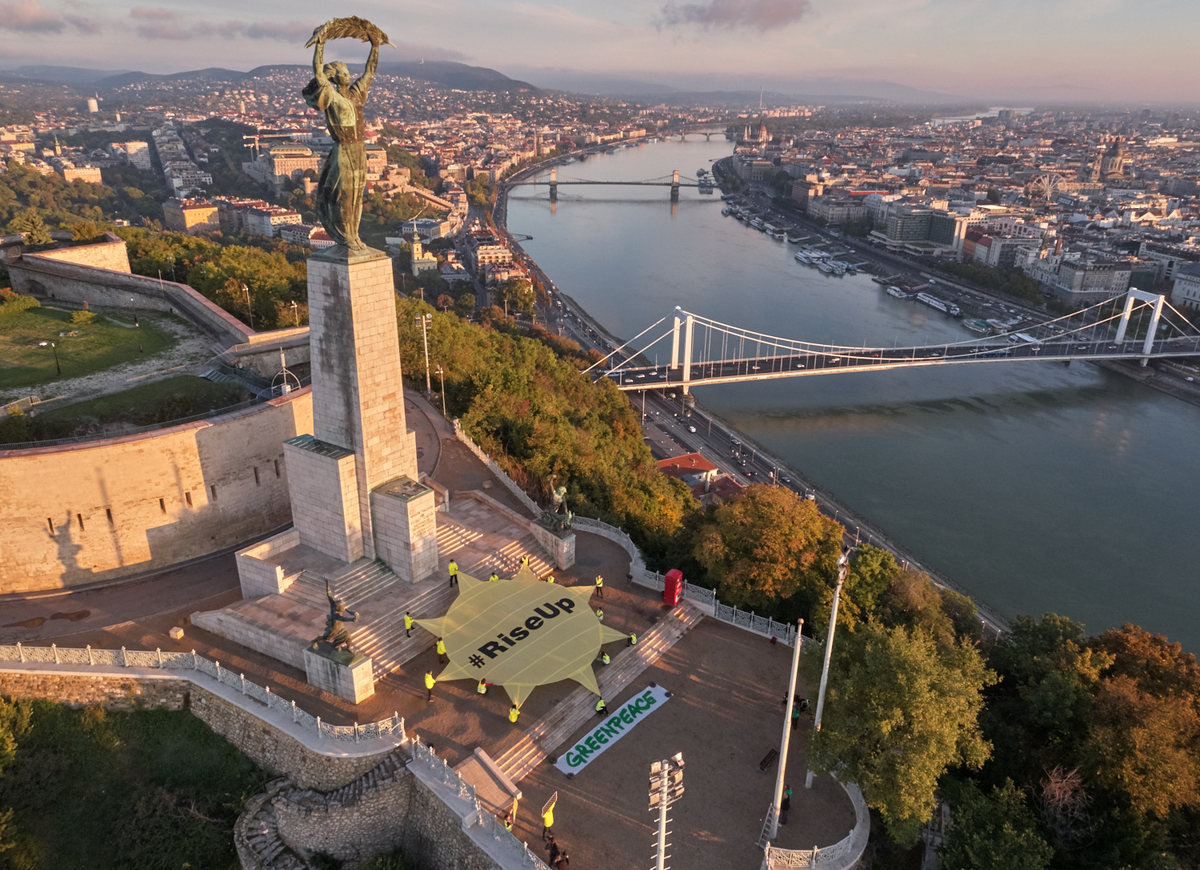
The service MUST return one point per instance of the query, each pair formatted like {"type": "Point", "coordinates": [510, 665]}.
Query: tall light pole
{"type": "Point", "coordinates": [423, 320]}
{"type": "Point", "coordinates": [249, 309]}
{"type": "Point", "coordinates": [773, 820]}
{"type": "Point", "coordinates": [53, 347]}
{"type": "Point", "coordinates": [666, 787]}
{"type": "Point", "coordinates": [442, 376]}
{"type": "Point", "coordinates": [843, 568]}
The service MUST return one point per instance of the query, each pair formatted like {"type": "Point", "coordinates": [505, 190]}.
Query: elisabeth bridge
{"type": "Point", "coordinates": [1140, 326]}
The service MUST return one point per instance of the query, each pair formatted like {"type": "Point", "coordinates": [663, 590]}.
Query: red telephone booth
{"type": "Point", "coordinates": [673, 587]}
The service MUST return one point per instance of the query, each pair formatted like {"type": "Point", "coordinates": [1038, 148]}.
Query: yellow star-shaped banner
{"type": "Point", "coordinates": [521, 633]}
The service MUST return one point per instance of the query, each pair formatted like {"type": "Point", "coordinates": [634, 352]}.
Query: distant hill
{"type": "Point", "coordinates": [446, 74]}
{"type": "Point", "coordinates": [733, 91]}
{"type": "Point", "coordinates": [458, 75]}
{"type": "Point", "coordinates": [69, 75]}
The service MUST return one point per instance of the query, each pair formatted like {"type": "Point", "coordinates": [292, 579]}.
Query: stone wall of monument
{"type": "Point", "coordinates": [99, 276]}
{"type": "Point", "coordinates": [78, 513]}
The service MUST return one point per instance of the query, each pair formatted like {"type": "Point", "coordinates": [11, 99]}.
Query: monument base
{"type": "Point", "coordinates": [344, 673]}
{"type": "Point", "coordinates": [558, 542]}
{"type": "Point", "coordinates": [404, 518]}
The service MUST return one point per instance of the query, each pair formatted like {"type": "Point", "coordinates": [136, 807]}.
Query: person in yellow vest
{"type": "Point", "coordinates": [453, 569]}
{"type": "Point", "coordinates": [514, 713]}
{"type": "Point", "coordinates": [605, 658]}
{"type": "Point", "coordinates": [481, 688]}
{"type": "Point", "coordinates": [601, 707]}
{"type": "Point", "coordinates": [633, 640]}
{"type": "Point", "coordinates": [525, 561]}
{"type": "Point", "coordinates": [599, 586]}
{"type": "Point", "coordinates": [547, 821]}
{"type": "Point", "coordinates": [408, 624]}
{"type": "Point", "coordinates": [508, 821]}
{"type": "Point", "coordinates": [600, 613]}
{"type": "Point", "coordinates": [493, 577]}
{"type": "Point", "coordinates": [430, 682]}
{"type": "Point", "coordinates": [550, 578]}
{"type": "Point", "coordinates": [441, 651]}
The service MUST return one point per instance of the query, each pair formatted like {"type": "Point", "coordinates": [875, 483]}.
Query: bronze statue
{"type": "Point", "coordinates": [337, 634]}
{"type": "Point", "coordinates": [344, 173]}
{"type": "Point", "coordinates": [561, 515]}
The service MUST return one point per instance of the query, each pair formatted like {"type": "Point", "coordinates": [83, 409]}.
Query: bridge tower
{"type": "Point", "coordinates": [1142, 296]}
{"type": "Point", "coordinates": [689, 326]}
{"type": "Point", "coordinates": [675, 186]}
{"type": "Point", "coordinates": [554, 184]}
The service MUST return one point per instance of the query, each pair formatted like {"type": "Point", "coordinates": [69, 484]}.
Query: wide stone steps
{"type": "Point", "coordinates": [555, 728]}
{"type": "Point", "coordinates": [359, 582]}
{"type": "Point", "coordinates": [382, 636]}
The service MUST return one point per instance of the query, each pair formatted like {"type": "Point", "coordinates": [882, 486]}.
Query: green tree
{"type": "Point", "coordinates": [32, 226]}
{"type": "Point", "coordinates": [516, 294]}
{"type": "Point", "coordinates": [900, 711]}
{"type": "Point", "coordinates": [768, 546]}
{"type": "Point", "coordinates": [994, 831]}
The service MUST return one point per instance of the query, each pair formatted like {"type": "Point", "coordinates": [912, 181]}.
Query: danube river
{"type": "Point", "coordinates": [1035, 487]}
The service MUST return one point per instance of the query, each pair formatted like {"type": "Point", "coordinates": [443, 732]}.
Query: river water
{"type": "Point", "coordinates": [1035, 487]}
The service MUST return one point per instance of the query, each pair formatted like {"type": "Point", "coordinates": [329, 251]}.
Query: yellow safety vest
{"type": "Point", "coordinates": [481, 688]}
{"type": "Point", "coordinates": [513, 713]}
{"type": "Point", "coordinates": [441, 648]}
{"type": "Point", "coordinates": [548, 818]}
{"type": "Point", "coordinates": [599, 582]}
{"type": "Point", "coordinates": [408, 622]}
{"type": "Point", "coordinates": [430, 681]}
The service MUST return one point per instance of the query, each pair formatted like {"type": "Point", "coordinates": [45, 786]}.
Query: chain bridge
{"type": "Point", "coordinates": [1139, 326]}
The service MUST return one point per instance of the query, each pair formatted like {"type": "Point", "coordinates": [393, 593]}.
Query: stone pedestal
{"type": "Point", "coordinates": [404, 513]}
{"type": "Point", "coordinates": [323, 485]}
{"type": "Point", "coordinates": [558, 543]}
{"type": "Point", "coordinates": [349, 675]}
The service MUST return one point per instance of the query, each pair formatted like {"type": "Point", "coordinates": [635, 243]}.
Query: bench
{"type": "Point", "coordinates": [768, 760]}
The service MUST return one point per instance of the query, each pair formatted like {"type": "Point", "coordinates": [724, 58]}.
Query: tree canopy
{"type": "Point", "coordinates": [900, 711]}
{"type": "Point", "coordinates": [769, 545]}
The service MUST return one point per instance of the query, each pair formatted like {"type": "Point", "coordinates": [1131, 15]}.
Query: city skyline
{"type": "Point", "coordinates": [1061, 50]}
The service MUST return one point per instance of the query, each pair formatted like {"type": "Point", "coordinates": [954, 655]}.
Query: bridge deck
{"type": "Point", "coordinates": [840, 361]}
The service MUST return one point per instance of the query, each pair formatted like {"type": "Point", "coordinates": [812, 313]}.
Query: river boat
{"type": "Point", "coordinates": [940, 304]}
{"type": "Point", "coordinates": [978, 326]}
{"type": "Point", "coordinates": [756, 223]}
{"type": "Point", "coordinates": [726, 211]}
{"type": "Point", "coordinates": [803, 257]}
{"type": "Point", "coordinates": [893, 290]}
{"type": "Point", "coordinates": [825, 267]}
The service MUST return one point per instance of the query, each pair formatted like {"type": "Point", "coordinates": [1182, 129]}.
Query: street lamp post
{"type": "Point", "coordinates": [423, 320]}
{"type": "Point", "coordinates": [442, 376]}
{"type": "Point", "coordinates": [773, 829]}
{"type": "Point", "coordinates": [843, 568]}
{"type": "Point", "coordinates": [54, 348]}
{"type": "Point", "coordinates": [249, 308]}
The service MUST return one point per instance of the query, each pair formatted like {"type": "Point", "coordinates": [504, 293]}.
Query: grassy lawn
{"type": "Point", "coordinates": [95, 346]}
{"type": "Point", "coordinates": [141, 790]}
{"type": "Point", "coordinates": [157, 402]}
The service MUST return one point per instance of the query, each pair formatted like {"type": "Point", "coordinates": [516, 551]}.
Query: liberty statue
{"type": "Point", "coordinates": [344, 173]}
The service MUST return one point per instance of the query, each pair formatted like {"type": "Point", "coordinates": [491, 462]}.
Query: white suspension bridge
{"type": "Point", "coordinates": [1141, 326]}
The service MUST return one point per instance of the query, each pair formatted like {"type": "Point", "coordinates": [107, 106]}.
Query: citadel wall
{"type": "Point", "coordinates": [75, 514]}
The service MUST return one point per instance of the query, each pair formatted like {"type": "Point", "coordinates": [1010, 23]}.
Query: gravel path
{"type": "Point", "coordinates": [191, 352]}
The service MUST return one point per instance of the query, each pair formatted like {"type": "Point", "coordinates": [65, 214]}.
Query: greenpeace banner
{"type": "Point", "coordinates": [619, 723]}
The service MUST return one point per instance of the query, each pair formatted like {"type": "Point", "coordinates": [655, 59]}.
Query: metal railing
{"type": "Point", "coordinates": [842, 855]}
{"type": "Point", "coordinates": [500, 839]}
{"type": "Point", "coordinates": [390, 728]}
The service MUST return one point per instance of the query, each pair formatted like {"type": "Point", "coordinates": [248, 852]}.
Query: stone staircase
{"type": "Point", "coordinates": [256, 833]}
{"type": "Point", "coordinates": [382, 637]}
{"type": "Point", "coordinates": [525, 752]}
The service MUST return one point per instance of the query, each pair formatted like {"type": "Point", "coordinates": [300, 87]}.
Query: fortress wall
{"type": "Point", "coordinates": [99, 275]}
{"type": "Point", "coordinates": [80, 513]}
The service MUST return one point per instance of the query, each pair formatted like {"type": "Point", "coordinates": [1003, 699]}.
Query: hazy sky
{"type": "Point", "coordinates": [1090, 49]}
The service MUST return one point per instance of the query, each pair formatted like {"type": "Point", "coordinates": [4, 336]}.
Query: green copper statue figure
{"type": "Point", "coordinates": [344, 174]}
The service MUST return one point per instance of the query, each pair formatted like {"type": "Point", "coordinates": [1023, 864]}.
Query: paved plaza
{"type": "Point", "coordinates": [725, 712]}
